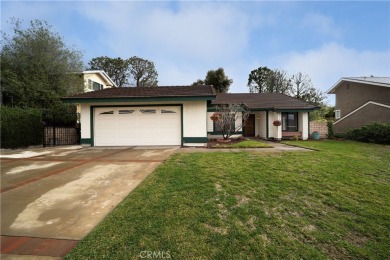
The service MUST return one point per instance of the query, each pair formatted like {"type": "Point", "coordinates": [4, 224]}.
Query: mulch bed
{"type": "Point", "coordinates": [214, 142]}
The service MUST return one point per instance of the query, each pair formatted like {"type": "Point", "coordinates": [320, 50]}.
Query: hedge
{"type": "Point", "coordinates": [372, 133]}
{"type": "Point", "coordinates": [20, 127]}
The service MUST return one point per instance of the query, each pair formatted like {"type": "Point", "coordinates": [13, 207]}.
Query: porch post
{"type": "Point", "coordinates": [267, 125]}
{"type": "Point", "coordinates": [308, 125]}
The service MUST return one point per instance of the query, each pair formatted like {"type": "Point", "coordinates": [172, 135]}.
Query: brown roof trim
{"type": "Point", "coordinates": [263, 101]}
{"type": "Point", "coordinates": [148, 92]}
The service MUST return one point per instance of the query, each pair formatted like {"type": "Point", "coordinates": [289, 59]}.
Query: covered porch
{"type": "Point", "coordinates": [293, 124]}
{"type": "Point", "coordinates": [271, 115]}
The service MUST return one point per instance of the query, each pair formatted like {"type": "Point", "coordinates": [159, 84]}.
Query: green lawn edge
{"type": "Point", "coordinates": [330, 204]}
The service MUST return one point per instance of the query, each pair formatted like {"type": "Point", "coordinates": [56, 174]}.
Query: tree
{"type": "Point", "coordinates": [301, 85]}
{"type": "Point", "coordinates": [143, 72]}
{"type": "Point", "coordinates": [314, 96]}
{"type": "Point", "coordinates": [37, 68]}
{"type": "Point", "coordinates": [278, 82]}
{"type": "Point", "coordinates": [198, 82]}
{"type": "Point", "coordinates": [116, 68]}
{"type": "Point", "coordinates": [265, 80]}
{"type": "Point", "coordinates": [257, 81]}
{"type": "Point", "coordinates": [227, 116]}
{"type": "Point", "coordinates": [303, 89]}
{"type": "Point", "coordinates": [218, 79]}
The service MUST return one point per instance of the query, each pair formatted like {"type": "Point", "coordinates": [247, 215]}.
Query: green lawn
{"type": "Point", "coordinates": [244, 144]}
{"type": "Point", "coordinates": [331, 203]}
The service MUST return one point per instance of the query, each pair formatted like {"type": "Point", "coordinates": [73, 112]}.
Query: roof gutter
{"type": "Point", "coordinates": [136, 99]}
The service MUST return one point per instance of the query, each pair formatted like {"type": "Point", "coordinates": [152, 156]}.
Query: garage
{"type": "Point", "coordinates": [132, 126]}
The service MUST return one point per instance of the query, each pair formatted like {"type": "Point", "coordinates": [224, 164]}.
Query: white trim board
{"type": "Point", "coordinates": [362, 106]}
{"type": "Point", "coordinates": [332, 89]}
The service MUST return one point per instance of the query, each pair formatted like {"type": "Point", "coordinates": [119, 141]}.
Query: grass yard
{"type": "Point", "coordinates": [244, 144]}
{"type": "Point", "coordinates": [331, 203]}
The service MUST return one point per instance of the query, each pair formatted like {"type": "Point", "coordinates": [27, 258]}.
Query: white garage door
{"type": "Point", "coordinates": [129, 126]}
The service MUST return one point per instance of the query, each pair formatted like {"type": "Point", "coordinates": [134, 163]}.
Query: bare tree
{"type": "Point", "coordinates": [278, 82]}
{"type": "Point", "coordinates": [303, 89]}
{"type": "Point", "coordinates": [227, 118]}
{"type": "Point", "coordinates": [143, 72]}
{"type": "Point", "coordinates": [301, 85]}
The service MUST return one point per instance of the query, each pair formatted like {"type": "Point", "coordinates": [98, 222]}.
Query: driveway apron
{"type": "Point", "coordinates": [63, 194]}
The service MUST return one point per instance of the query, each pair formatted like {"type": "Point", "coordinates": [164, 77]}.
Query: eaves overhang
{"type": "Point", "coordinates": [135, 99]}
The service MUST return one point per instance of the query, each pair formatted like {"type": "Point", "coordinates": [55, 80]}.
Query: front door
{"type": "Point", "coordinates": [249, 127]}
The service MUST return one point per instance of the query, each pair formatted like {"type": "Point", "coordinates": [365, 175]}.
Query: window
{"type": "Point", "coordinates": [94, 85]}
{"type": "Point", "coordinates": [167, 111]}
{"type": "Point", "coordinates": [126, 111]}
{"type": "Point", "coordinates": [107, 113]}
{"type": "Point", "coordinates": [227, 118]}
{"type": "Point", "coordinates": [148, 111]}
{"type": "Point", "coordinates": [290, 122]}
{"type": "Point", "coordinates": [337, 114]}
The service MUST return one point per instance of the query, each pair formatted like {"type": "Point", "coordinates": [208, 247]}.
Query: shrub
{"type": "Point", "coordinates": [330, 129]}
{"type": "Point", "coordinates": [372, 133]}
{"type": "Point", "coordinates": [64, 115]}
{"type": "Point", "coordinates": [20, 127]}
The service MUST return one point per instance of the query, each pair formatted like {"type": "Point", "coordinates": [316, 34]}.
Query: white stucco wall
{"type": "Point", "coordinates": [194, 120]}
{"type": "Point", "coordinates": [261, 124]}
{"type": "Point", "coordinates": [303, 124]}
{"type": "Point", "coordinates": [85, 119]}
{"type": "Point", "coordinates": [274, 131]}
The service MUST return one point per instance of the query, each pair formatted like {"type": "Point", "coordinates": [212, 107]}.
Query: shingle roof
{"type": "Point", "coordinates": [377, 81]}
{"type": "Point", "coordinates": [141, 92]}
{"type": "Point", "coordinates": [382, 80]}
{"type": "Point", "coordinates": [263, 101]}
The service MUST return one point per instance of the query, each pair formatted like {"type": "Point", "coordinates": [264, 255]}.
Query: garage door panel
{"type": "Point", "coordinates": [137, 126]}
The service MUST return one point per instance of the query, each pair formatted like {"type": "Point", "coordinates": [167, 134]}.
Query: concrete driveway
{"type": "Point", "coordinates": [63, 193]}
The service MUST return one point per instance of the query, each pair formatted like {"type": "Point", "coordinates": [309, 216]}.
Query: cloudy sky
{"type": "Point", "coordinates": [326, 40]}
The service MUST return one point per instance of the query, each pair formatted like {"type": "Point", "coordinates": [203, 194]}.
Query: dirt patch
{"type": "Point", "coordinates": [221, 231]}
{"type": "Point", "coordinates": [241, 200]}
{"type": "Point", "coordinates": [309, 228]}
{"type": "Point", "coordinates": [334, 252]}
{"type": "Point", "coordinates": [357, 239]}
{"type": "Point", "coordinates": [217, 142]}
{"type": "Point", "coordinates": [218, 187]}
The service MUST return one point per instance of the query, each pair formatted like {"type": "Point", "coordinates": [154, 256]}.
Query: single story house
{"type": "Point", "coordinates": [361, 101]}
{"type": "Point", "coordinates": [180, 115]}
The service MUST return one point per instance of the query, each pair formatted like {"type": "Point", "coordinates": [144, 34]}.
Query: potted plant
{"type": "Point", "coordinates": [316, 135]}
{"type": "Point", "coordinates": [214, 117]}
{"type": "Point", "coordinates": [277, 123]}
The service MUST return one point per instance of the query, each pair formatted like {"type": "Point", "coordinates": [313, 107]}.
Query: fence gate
{"type": "Point", "coordinates": [61, 129]}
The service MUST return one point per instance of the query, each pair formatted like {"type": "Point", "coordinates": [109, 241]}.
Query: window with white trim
{"type": "Point", "coordinates": [337, 114]}
{"type": "Point", "coordinates": [290, 121]}
{"type": "Point", "coordinates": [92, 85]}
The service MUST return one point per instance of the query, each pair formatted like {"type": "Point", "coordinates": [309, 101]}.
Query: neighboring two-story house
{"type": "Point", "coordinates": [97, 80]}
{"type": "Point", "coordinates": [361, 101]}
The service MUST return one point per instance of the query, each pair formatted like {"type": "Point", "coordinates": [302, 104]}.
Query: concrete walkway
{"type": "Point", "coordinates": [276, 148]}
{"type": "Point", "coordinates": [53, 197]}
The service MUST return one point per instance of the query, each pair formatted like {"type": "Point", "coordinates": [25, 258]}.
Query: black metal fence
{"type": "Point", "coordinates": [61, 128]}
